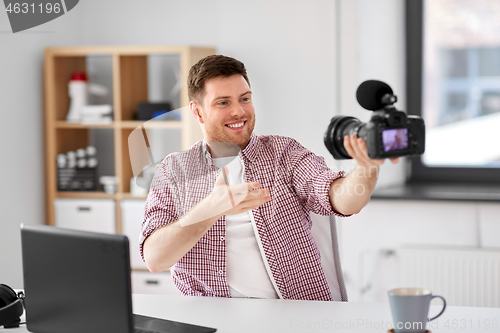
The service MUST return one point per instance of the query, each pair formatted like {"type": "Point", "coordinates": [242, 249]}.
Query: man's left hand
{"type": "Point", "coordinates": [356, 148]}
{"type": "Point", "coordinates": [345, 194]}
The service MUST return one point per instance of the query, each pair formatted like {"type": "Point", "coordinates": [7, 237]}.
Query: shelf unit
{"type": "Point", "coordinates": [129, 68]}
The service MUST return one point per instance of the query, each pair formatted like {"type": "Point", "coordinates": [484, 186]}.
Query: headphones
{"type": "Point", "coordinates": [11, 307]}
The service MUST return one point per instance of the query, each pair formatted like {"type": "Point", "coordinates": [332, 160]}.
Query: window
{"type": "Point", "coordinates": [453, 82]}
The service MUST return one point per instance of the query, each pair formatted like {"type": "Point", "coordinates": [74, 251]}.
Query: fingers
{"type": "Point", "coordinates": [227, 200]}
{"type": "Point", "coordinates": [356, 148]}
{"type": "Point", "coordinates": [222, 180]}
{"type": "Point", "coordinates": [250, 195]}
{"type": "Point", "coordinates": [252, 202]}
{"type": "Point", "coordinates": [243, 189]}
{"type": "Point", "coordinates": [349, 143]}
{"type": "Point", "coordinates": [233, 199]}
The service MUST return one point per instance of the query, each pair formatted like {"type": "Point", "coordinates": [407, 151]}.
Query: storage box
{"type": "Point", "coordinates": [132, 217]}
{"type": "Point", "coordinates": [96, 215]}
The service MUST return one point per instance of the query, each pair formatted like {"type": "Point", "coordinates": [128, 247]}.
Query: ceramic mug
{"type": "Point", "coordinates": [410, 309]}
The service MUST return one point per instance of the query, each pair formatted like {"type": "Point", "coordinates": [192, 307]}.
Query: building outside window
{"type": "Point", "coordinates": [456, 60]}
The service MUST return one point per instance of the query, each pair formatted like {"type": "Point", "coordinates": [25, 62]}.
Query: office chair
{"type": "Point", "coordinates": [324, 232]}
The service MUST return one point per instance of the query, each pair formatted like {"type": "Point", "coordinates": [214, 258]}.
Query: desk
{"type": "Point", "coordinates": [259, 315]}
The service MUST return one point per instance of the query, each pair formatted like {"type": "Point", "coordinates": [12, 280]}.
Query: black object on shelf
{"type": "Point", "coordinates": [77, 179]}
{"type": "Point", "coordinates": [147, 110]}
{"type": "Point", "coordinates": [77, 171]}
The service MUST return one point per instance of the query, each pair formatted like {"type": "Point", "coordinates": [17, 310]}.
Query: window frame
{"type": "Point", "coordinates": [414, 14]}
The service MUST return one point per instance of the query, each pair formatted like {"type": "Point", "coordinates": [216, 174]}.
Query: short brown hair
{"type": "Point", "coordinates": [210, 67]}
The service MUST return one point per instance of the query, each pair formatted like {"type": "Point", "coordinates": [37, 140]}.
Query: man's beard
{"type": "Point", "coordinates": [218, 134]}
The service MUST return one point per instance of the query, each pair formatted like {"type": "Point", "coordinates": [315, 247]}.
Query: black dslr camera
{"type": "Point", "coordinates": [389, 133]}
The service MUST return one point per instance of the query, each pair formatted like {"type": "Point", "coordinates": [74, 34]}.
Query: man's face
{"type": "Point", "coordinates": [226, 113]}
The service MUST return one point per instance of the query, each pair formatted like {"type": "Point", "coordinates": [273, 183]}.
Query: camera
{"type": "Point", "coordinates": [389, 133]}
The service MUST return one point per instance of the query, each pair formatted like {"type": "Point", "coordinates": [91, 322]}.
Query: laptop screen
{"type": "Point", "coordinates": [76, 281]}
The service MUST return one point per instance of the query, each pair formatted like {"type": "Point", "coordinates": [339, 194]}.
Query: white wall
{"type": "Point", "coordinates": [372, 46]}
{"type": "Point", "coordinates": [287, 46]}
{"type": "Point", "coordinates": [370, 271]}
{"type": "Point", "coordinates": [21, 136]}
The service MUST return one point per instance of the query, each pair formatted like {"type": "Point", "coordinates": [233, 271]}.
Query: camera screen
{"type": "Point", "coordinates": [395, 139]}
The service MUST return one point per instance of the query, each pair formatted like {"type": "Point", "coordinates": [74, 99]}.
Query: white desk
{"type": "Point", "coordinates": [257, 315]}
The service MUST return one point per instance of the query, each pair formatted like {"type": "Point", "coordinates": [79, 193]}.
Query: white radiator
{"type": "Point", "coordinates": [464, 277]}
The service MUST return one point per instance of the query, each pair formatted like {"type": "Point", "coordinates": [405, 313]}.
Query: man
{"type": "Point", "coordinates": [234, 221]}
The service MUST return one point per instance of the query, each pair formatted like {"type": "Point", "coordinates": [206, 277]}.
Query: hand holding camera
{"type": "Point", "coordinates": [356, 148]}
{"type": "Point", "coordinates": [389, 133]}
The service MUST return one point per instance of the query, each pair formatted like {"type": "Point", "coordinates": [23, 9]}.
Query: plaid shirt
{"type": "Point", "coordinates": [299, 183]}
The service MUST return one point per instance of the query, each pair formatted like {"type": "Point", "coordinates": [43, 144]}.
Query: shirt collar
{"type": "Point", "coordinates": [206, 153]}
{"type": "Point", "coordinates": [250, 151]}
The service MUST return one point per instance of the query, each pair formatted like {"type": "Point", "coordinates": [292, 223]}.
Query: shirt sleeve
{"type": "Point", "coordinates": [311, 179]}
{"type": "Point", "coordinates": [163, 202]}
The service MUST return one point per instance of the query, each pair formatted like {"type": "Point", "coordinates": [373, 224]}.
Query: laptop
{"type": "Point", "coordinates": [79, 282]}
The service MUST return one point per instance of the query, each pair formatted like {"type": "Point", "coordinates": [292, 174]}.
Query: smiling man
{"type": "Point", "coordinates": [231, 216]}
{"type": "Point", "coordinates": [226, 112]}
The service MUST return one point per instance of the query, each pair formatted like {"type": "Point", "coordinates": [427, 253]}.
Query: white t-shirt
{"type": "Point", "coordinates": [247, 275]}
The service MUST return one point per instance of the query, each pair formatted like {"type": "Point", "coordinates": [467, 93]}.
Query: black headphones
{"type": "Point", "coordinates": [11, 307]}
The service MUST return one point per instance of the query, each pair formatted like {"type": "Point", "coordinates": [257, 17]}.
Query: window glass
{"type": "Point", "coordinates": [461, 83]}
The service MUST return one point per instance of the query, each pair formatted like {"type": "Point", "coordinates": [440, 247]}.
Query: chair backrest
{"type": "Point", "coordinates": [324, 232]}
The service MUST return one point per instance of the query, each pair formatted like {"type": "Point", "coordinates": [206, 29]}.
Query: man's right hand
{"type": "Point", "coordinates": [227, 199]}
{"type": "Point", "coordinates": [168, 244]}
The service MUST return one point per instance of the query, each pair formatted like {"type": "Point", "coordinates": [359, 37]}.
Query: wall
{"type": "Point", "coordinates": [21, 137]}
{"type": "Point", "coordinates": [372, 47]}
{"type": "Point", "coordinates": [371, 241]}
{"type": "Point", "coordinates": [288, 48]}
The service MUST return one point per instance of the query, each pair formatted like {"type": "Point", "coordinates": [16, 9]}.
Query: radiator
{"type": "Point", "coordinates": [464, 277]}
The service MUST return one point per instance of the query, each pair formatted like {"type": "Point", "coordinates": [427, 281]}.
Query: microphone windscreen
{"type": "Point", "coordinates": [370, 93]}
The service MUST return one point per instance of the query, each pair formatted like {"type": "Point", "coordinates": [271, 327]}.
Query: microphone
{"type": "Point", "coordinates": [375, 95]}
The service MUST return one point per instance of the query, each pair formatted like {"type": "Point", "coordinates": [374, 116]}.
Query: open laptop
{"type": "Point", "coordinates": [79, 282]}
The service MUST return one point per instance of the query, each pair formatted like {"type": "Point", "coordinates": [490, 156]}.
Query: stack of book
{"type": "Point", "coordinates": [96, 114]}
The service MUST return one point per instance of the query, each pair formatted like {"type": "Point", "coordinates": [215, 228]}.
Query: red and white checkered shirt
{"type": "Point", "coordinates": [299, 183]}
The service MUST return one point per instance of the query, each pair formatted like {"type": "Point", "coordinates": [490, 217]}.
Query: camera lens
{"type": "Point", "coordinates": [339, 127]}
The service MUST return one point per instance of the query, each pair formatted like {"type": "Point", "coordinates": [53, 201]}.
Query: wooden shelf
{"type": "Point", "coordinates": [129, 80]}
{"type": "Point", "coordinates": [85, 195]}
{"type": "Point", "coordinates": [82, 51]}
{"type": "Point", "coordinates": [129, 124]}
{"type": "Point", "coordinates": [130, 196]}
{"type": "Point", "coordinates": [132, 124]}
{"type": "Point", "coordinates": [65, 124]}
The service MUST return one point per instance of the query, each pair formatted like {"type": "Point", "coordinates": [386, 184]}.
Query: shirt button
{"type": "Point", "coordinates": [221, 272]}
{"type": "Point", "coordinates": [222, 238]}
